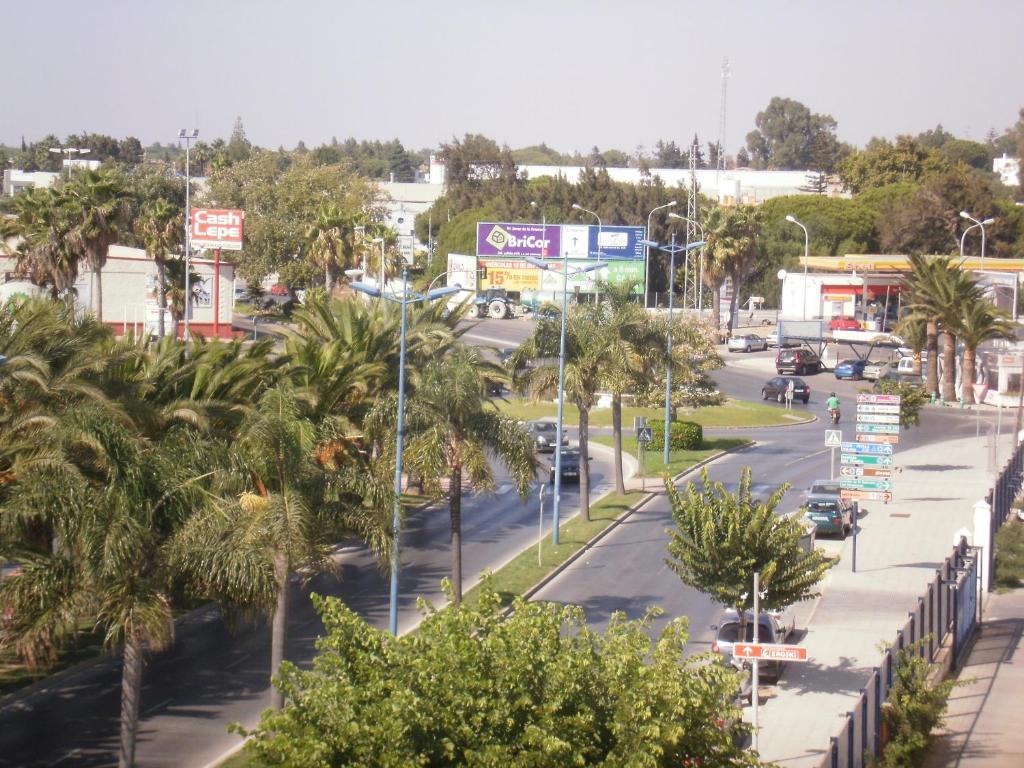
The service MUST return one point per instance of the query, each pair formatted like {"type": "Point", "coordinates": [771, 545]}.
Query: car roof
{"type": "Point", "coordinates": [823, 498]}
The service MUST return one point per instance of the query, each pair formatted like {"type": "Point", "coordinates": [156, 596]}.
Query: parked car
{"type": "Point", "coordinates": [829, 514]}
{"type": "Point", "coordinates": [824, 487]}
{"type": "Point", "coordinates": [893, 375]}
{"type": "Point", "coordinates": [875, 369]}
{"type": "Point", "coordinates": [776, 389]}
{"type": "Point", "coordinates": [570, 466]}
{"type": "Point", "coordinates": [772, 628]}
{"type": "Point", "coordinates": [543, 434]}
{"type": "Point", "coordinates": [850, 369]}
{"type": "Point", "coordinates": [797, 361]}
{"type": "Point", "coordinates": [279, 289]}
{"type": "Point", "coordinates": [773, 340]}
{"type": "Point", "coordinates": [844, 324]}
{"type": "Point", "coordinates": [747, 343]}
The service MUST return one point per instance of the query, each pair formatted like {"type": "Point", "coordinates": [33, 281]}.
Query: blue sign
{"type": "Point", "coordinates": [877, 449]}
{"type": "Point", "coordinates": [616, 242]}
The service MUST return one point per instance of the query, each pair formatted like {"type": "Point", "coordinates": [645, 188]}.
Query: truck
{"type": "Point", "coordinates": [495, 303]}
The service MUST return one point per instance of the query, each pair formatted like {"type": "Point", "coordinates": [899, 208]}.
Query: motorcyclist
{"type": "Point", "coordinates": [833, 406]}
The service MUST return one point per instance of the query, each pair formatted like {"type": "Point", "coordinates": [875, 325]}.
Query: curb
{"type": "Point", "coordinates": [527, 594]}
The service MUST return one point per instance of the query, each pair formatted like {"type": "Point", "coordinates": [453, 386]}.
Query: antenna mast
{"type": "Point", "coordinates": [726, 73]}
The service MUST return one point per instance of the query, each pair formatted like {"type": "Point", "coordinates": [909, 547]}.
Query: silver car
{"type": "Point", "coordinates": [543, 434]}
{"type": "Point", "coordinates": [773, 628]}
{"type": "Point", "coordinates": [749, 342]}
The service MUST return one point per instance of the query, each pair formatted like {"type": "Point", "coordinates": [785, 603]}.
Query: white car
{"type": "Point", "coordinates": [747, 343]}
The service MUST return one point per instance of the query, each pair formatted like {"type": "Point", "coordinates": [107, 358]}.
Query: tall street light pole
{"type": "Point", "coordinates": [381, 241]}
{"type": "Point", "coordinates": [647, 250]}
{"type": "Point", "coordinates": [672, 250]}
{"type": "Point", "coordinates": [579, 207]}
{"type": "Point", "coordinates": [966, 215]}
{"type": "Point", "coordinates": [700, 279]}
{"type": "Point", "coordinates": [189, 137]}
{"type": "Point", "coordinates": [405, 300]}
{"type": "Point", "coordinates": [69, 151]}
{"type": "Point", "coordinates": [547, 265]}
{"type": "Point", "coordinates": [807, 243]}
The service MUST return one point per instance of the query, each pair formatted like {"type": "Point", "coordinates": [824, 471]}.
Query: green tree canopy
{"type": "Point", "coordinates": [789, 136]}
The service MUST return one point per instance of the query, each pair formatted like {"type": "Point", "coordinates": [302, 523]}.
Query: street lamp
{"type": "Point", "coordinates": [579, 207]}
{"type": "Point", "coordinates": [69, 151]}
{"type": "Point", "coordinates": [966, 215]}
{"type": "Point", "coordinates": [672, 250]}
{"type": "Point", "coordinates": [189, 137]}
{"type": "Point", "coordinates": [647, 251]}
{"type": "Point", "coordinates": [686, 271]}
{"type": "Point", "coordinates": [405, 299]}
{"type": "Point", "coordinates": [547, 265]}
{"type": "Point", "coordinates": [807, 241]}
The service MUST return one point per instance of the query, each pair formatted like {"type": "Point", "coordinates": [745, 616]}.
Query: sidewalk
{"type": "Point", "coordinates": [985, 721]}
{"type": "Point", "coordinates": [898, 549]}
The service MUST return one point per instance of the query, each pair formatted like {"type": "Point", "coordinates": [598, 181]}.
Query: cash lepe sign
{"type": "Point", "coordinates": [216, 228]}
{"type": "Point", "coordinates": [866, 471]}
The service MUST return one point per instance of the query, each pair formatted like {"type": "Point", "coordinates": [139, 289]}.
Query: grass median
{"type": "Point", "coordinates": [733, 413]}
{"type": "Point", "coordinates": [678, 460]}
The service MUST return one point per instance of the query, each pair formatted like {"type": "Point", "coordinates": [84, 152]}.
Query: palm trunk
{"type": "Point", "coordinates": [161, 297]}
{"type": "Point", "coordinates": [279, 626]}
{"type": "Point", "coordinates": [716, 305]}
{"type": "Point", "coordinates": [932, 347]}
{"type": "Point", "coordinates": [97, 289]}
{"type": "Point", "coordinates": [967, 379]}
{"type": "Point", "coordinates": [455, 508]}
{"type": "Point", "coordinates": [916, 368]}
{"type": "Point", "coordinates": [131, 689]}
{"type": "Point", "coordinates": [584, 461]}
{"type": "Point", "coordinates": [327, 278]}
{"type": "Point", "coordinates": [949, 368]}
{"type": "Point", "coordinates": [620, 485]}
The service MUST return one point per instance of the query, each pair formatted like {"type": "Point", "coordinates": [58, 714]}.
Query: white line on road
{"type": "Point", "coordinates": [808, 456]}
{"type": "Point", "coordinates": [237, 661]}
{"type": "Point", "coordinates": [503, 343]}
{"type": "Point", "coordinates": [72, 754]}
{"type": "Point", "coordinates": [162, 704]}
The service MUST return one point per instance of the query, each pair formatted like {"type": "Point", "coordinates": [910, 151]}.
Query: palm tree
{"type": "Point", "coordinates": [97, 203]}
{"type": "Point", "coordinates": [160, 226]}
{"type": "Point", "coordinates": [957, 291]}
{"type": "Point", "coordinates": [326, 240]}
{"type": "Point", "coordinates": [41, 222]}
{"type": "Point", "coordinates": [979, 322]}
{"type": "Point", "coordinates": [914, 332]}
{"type": "Point", "coordinates": [732, 242]}
{"type": "Point", "coordinates": [925, 303]}
{"type": "Point", "coordinates": [717, 252]}
{"type": "Point", "coordinates": [453, 435]}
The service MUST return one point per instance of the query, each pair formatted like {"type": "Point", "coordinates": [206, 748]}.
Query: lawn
{"type": "Point", "coordinates": [1009, 568]}
{"type": "Point", "coordinates": [734, 413]}
{"type": "Point", "coordinates": [654, 465]}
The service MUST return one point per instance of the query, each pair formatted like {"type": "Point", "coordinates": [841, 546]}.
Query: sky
{"type": "Point", "coordinates": [571, 73]}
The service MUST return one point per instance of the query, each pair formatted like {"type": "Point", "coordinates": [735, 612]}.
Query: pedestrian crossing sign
{"type": "Point", "coordinates": [833, 438]}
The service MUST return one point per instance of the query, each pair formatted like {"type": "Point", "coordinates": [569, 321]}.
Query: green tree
{"type": "Point", "coordinates": [883, 162]}
{"type": "Point", "coordinates": [924, 303]}
{"type": "Point", "coordinates": [722, 539]}
{"type": "Point", "coordinates": [731, 251]}
{"type": "Point", "coordinates": [452, 435]}
{"type": "Point", "coordinates": [160, 227]}
{"type": "Point", "coordinates": [789, 136]}
{"type": "Point", "coordinates": [539, 688]}
{"type": "Point", "coordinates": [977, 323]}
{"type": "Point", "coordinates": [43, 255]}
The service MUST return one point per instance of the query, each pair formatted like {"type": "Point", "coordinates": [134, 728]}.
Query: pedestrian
{"type": "Point", "coordinates": [790, 390]}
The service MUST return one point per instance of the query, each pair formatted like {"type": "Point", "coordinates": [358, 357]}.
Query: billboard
{"type": "Point", "coordinates": [519, 275]}
{"type": "Point", "coordinates": [616, 242]}
{"type": "Point", "coordinates": [510, 274]}
{"type": "Point", "coordinates": [216, 228]}
{"type": "Point", "coordinates": [507, 239]}
{"type": "Point", "coordinates": [462, 271]}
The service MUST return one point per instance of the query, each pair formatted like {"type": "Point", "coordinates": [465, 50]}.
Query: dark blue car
{"type": "Point", "coordinates": [850, 369]}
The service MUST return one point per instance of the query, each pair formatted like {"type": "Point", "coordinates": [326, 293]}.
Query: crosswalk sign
{"type": "Point", "coordinates": [644, 435]}
{"type": "Point", "coordinates": [833, 438]}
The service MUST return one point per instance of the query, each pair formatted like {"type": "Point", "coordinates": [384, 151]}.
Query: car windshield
{"type": "Point", "coordinates": [730, 633]}
{"type": "Point", "coordinates": [544, 427]}
{"type": "Point", "coordinates": [827, 486]}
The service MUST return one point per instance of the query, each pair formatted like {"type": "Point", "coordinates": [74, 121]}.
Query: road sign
{"type": "Point", "coordinates": [644, 435]}
{"type": "Point", "coordinates": [888, 429]}
{"type": "Point", "coordinates": [857, 471]}
{"type": "Point", "coordinates": [877, 450]}
{"type": "Point", "coordinates": [889, 399]}
{"type": "Point", "coordinates": [860, 459]}
{"type": "Point", "coordinates": [848, 494]}
{"type": "Point", "coordinates": [865, 484]}
{"type": "Point", "coordinates": [769, 652]}
{"type": "Point", "coordinates": [862, 438]}
{"type": "Point", "coordinates": [877, 418]}
{"type": "Point", "coordinates": [833, 438]}
{"type": "Point", "coordinates": [867, 408]}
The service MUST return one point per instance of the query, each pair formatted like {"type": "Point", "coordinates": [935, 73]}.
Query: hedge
{"type": "Point", "coordinates": [683, 435]}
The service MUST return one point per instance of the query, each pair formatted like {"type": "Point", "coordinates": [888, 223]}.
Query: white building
{"type": "Point", "coordinates": [16, 181]}
{"type": "Point", "coordinates": [1008, 169]}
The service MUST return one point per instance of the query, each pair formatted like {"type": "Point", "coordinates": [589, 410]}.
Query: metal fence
{"type": "Point", "coordinates": [1001, 498]}
{"type": "Point", "coordinates": [949, 608]}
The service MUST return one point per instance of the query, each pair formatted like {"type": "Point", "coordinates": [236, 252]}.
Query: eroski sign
{"type": "Point", "coordinates": [217, 228]}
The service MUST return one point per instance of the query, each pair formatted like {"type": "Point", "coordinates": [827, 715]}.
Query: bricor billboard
{"type": "Point", "coordinates": [216, 228]}
{"type": "Point", "coordinates": [517, 240]}
{"type": "Point", "coordinates": [573, 241]}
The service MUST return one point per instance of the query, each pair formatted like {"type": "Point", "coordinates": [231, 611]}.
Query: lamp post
{"type": "Point", "coordinates": [547, 265]}
{"type": "Point", "coordinates": [807, 241]}
{"type": "Point", "coordinates": [405, 299]}
{"type": "Point", "coordinates": [672, 250]}
{"type": "Point", "coordinates": [579, 207]}
{"type": "Point", "coordinates": [700, 279]}
{"type": "Point", "coordinates": [966, 215]}
{"type": "Point", "coordinates": [189, 137]}
{"type": "Point", "coordinates": [647, 250]}
{"type": "Point", "coordinates": [69, 151]}
{"type": "Point", "coordinates": [381, 241]}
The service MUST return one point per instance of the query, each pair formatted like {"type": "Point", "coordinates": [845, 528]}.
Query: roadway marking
{"type": "Point", "coordinates": [237, 661]}
{"type": "Point", "coordinates": [163, 703]}
{"type": "Point", "coordinates": [503, 488]}
{"type": "Point", "coordinates": [73, 753]}
{"type": "Point", "coordinates": [808, 456]}
{"type": "Point", "coordinates": [503, 343]}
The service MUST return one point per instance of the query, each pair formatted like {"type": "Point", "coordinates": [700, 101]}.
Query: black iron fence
{"type": "Point", "coordinates": [949, 609]}
{"type": "Point", "coordinates": [1004, 492]}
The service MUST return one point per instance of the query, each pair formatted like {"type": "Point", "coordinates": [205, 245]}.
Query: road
{"type": "Point", "coordinates": [213, 676]}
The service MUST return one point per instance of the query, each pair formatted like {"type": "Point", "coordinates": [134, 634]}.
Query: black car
{"type": "Point", "coordinates": [570, 466]}
{"type": "Point", "coordinates": [797, 361]}
{"type": "Point", "coordinates": [776, 388]}
{"type": "Point", "coordinates": [543, 434]}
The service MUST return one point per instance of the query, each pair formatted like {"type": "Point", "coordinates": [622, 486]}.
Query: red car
{"type": "Point", "coordinates": [279, 290]}
{"type": "Point", "coordinates": [844, 324]}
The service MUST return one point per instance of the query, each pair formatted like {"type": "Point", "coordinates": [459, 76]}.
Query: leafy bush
{"type": "Point", "coordinates": [683, 435]}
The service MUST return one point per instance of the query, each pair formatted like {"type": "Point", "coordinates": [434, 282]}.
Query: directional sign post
{"type": "Point", "coordinates": [866, 471]}
{"type": "Point", "coordinates": [644, 436]}
{"type": "Point", "coordinates": [769, 652]}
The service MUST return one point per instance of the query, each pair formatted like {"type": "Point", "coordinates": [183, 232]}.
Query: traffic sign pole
{"type": "Point", "coordinates": [856, 514]}
{"type": "Point", "coordinates": [755, 679]}
{"type": "Point", "coordinates": [832, 476]}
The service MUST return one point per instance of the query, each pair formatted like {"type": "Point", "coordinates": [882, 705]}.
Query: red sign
{"type": "Point", "coordinates": [886, 399]}
{"type": "Point", "coordinates": [769, 652]}
{"type": "Point", "coordinates": [873, 438]}
{"type": "Point", "coordinates": [850, 494]}
{"type": "Point", "coordinates": [217, 228]}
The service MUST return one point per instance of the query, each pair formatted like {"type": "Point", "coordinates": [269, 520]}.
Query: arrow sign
{"type": "Point", "coordinates": [865, 408]}
{"type": "Point", "coordinates": [877, 450]}
{"type": "Point", "coordinates": [833, 438]}
{"type": "Point", "coordinates": [848, 494]}
{"type": "Point", "coordinates": [889, 429]}
{"type": "Point", "coordinates": [887, 399]}
{"type": "Point", "coordinates": [770, 651]}
{"type": "Point", "coordinates": [865, 484]}
{"type": "Point", "coordinates": [878, 418]}
{"type": "Point", "coordinates": [862, 438]}
{"type": "Point", "coordinates": [849, 471]}
{"type": "Point", "coordinates": [860, 460]}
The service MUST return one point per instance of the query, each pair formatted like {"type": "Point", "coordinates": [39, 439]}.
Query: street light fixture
{"type": "Point", "coordinates": [647, 251]}
{"type": "Point", "coordinates": [672, 250]}
{"type": "Point", "coordinates": [966, 215]}
{"type": "Point", "coordinates": [578, 207]}
{"type": "Point", "coordinates": [69, 151]}
{"type": "Point", "coordinates": [807, 242]}
{"type": "Point", "coordinates": [547, 265]}
{"type": "Point", "coordinates": [686, 271]}
{"type": "Point", "coordinates": [405, 299]}
{"type": "Point", "coordinates": [189, 137]}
